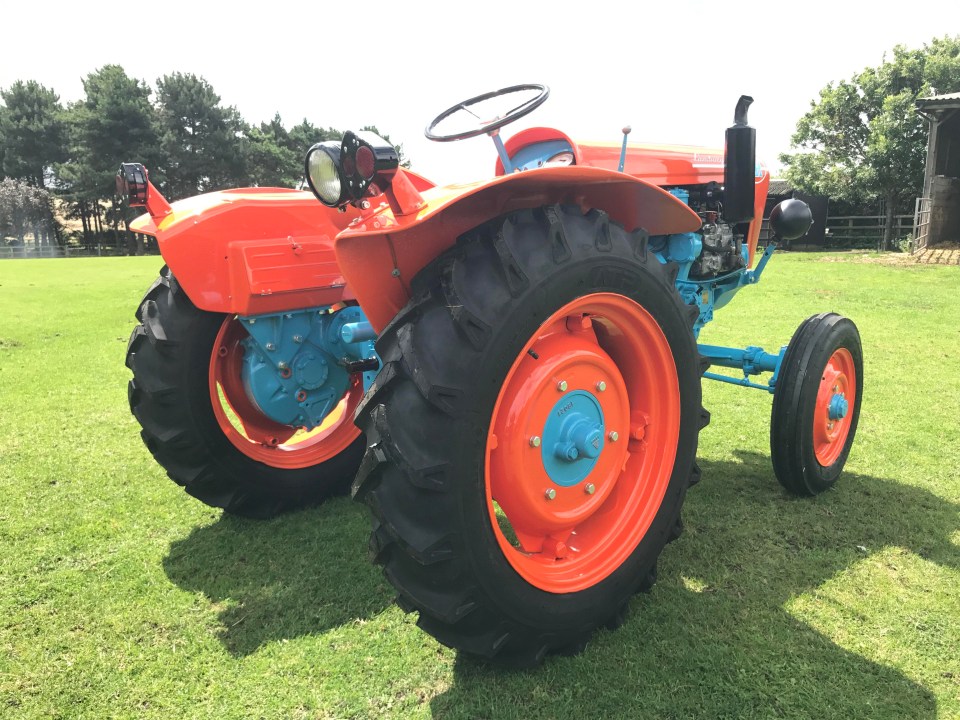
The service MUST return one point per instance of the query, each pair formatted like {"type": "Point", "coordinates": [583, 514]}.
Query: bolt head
{"type": "Point", "coordinates": [298, 339]}
{"type": "Point", "coordinates": [613, 436]}
{"type": "Point", "coordinates": [562, 386]}
{"type": "Point", "coordinates": [550, 494]}
{"type": "Point", "coordinates": [601, 386]}
{"type": "Point", "coordinates": [271, 347]}
{"type": "Point", "coordinates": [282, 365]}
{"type": "Point", "coordinates": [535, 441]}
{"type": "Point", "coordinates": [589, 488]}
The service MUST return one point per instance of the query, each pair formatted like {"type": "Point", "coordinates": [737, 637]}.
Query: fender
{"type": "Point", "coordinates": [380, 253]}
{"type": "Point", "coordinates": [249, 251]}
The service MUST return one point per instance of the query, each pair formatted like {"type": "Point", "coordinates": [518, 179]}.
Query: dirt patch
{"type": "Point", "coordinates": [943, 254]}
{"type": "Point", "coordinates": [947, 254]}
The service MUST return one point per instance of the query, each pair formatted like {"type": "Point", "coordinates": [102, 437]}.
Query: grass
{"type": "Point", "coordinates": [122, 597]}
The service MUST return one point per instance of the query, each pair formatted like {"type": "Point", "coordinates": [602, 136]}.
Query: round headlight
{"type": "Point", "coordinates": [323, 172]}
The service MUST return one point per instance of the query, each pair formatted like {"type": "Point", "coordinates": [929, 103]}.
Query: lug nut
{"type": "Point", "coordinates": [613, 436]}
{"type": "Point", "coordinates": [535, 441]}
{"type": "Point", "coordinates": [550, 494]}
{"type": "Point", "coordinates": [589, 488]}
{"type": "Point", "coordinates": [601, 386]}
{"type": "Point", "coordinates": [562, 386]}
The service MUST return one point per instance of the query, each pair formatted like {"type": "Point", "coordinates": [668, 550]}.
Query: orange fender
{"type": "Point", "coordinates": [380, 253]}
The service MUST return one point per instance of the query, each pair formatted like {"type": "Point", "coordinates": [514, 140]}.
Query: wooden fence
{"type": "Point", "coordinates": [862, 231]}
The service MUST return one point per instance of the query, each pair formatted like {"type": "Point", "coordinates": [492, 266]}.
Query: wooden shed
{"type": "Point", "coordinates": [938, 211]}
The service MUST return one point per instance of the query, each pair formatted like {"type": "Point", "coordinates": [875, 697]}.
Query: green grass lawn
{"type": "Point", "coordinates": [120, 596]}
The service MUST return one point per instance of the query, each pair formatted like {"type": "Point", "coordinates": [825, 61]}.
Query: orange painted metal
{"type": "Point", "coordinates": [664, 165]}
{"type": "Point", "coordinates": [253, 250]}
{"type": "Point", "coordinates": [829, 436]}
{"type": "Point", "coordinates": [380, 254]}
{"type": "Point", "coordinates": [576, 538]}
{"type": "Point", "coordinates": [257, 436]}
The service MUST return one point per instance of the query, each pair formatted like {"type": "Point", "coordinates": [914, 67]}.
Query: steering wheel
{"type": "Point", "coordinates": [488, 126]}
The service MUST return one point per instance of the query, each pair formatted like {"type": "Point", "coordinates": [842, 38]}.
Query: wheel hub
{"type": "Point", "coordinates": [573, 438]}
{"type": "Point", "coordinates": [838, 407]}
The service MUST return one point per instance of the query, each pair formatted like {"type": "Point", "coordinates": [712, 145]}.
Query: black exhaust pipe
{"type": "Point", "coordinates": [739, 166]}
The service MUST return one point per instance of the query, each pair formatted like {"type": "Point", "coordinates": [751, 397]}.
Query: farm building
{"type": "Point", "coordinates": [938, 211]}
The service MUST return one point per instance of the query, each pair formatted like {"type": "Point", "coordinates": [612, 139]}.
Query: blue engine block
{"type": "Point", "coordinates": [297, 365]}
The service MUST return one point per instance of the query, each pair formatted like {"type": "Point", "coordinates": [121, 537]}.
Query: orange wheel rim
{"type": "Point", "coordinates": [564, 534]}
{"type": "Point", "coordinates": [257, 436]}
{"type": "Point", "coordinates": [837, 389]}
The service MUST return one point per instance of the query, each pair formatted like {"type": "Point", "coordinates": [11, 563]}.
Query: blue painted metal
{"type": "Point", "coordinates": [742, 382]}
{"type": "Point", "coordinates": [572, 438]}
{"type": "Point", "coordinates": [752, 360]}
{"type": "Point", "coordinates": [294, 365]}
{"type": "Point", "coordinates": [711, 294]}
{"type": "Point", "coordinates": [838, 407]}
{"type": "Point", "coordinates": [530, 157]}
{"type": "Point", "coordinates": [623, 150]}
{"type": "Point", "coordinates": [357, 332]}
{"type": "Point", "coordinates": [680, 194]}
{"type": "Point", "coordinates": [502, 152]}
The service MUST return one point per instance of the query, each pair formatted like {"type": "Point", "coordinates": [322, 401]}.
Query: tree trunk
{"type": "Point", "coordinates": [888, 225]}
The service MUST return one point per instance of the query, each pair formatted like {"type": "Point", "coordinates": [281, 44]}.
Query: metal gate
{"type": "Point", "coordinates": [921, 225]}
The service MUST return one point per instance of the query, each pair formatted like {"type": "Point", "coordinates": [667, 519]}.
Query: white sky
{"type": "Point", "coordinates": [671, 69]}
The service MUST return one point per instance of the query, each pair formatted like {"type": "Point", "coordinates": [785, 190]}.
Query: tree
{"type": "Point", "coordinates": [32, 132]}
{"type": "Point", "coordinates": [268, 159]}
{"type": "Point", "coordinates": [112, 124]}
{"type": "Point", "coordinates": [200, 140]}
{"type": "Point", "coordinates": [862, 139]}
{"type": "Point", "coordinates": [27, 209]}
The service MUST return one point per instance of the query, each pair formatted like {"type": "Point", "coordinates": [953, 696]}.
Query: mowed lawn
{"type": "Point", "coordinates": [120, 596]}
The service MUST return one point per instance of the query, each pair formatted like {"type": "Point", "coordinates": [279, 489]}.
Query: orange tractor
{"type": "Point", "coordinates": [506, 371]}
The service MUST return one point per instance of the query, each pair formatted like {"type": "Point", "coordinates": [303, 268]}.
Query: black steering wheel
{"type": "Point", "coordinates": [488, 126]}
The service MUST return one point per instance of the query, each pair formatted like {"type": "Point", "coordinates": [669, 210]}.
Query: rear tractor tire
{"type": "Point", "coordinates": [816, 404]}
{"type": "Point", "coordinates": [187, 395]}
{"type": "Point", "coordinates": [532, 435]}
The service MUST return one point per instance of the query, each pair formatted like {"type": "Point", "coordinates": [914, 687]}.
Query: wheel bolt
{"type": "Point", "coordinates": [589, 488]}
{"type": "Point", "coordinates": [550, 494]}
{"type": "Point", "coordinates": [613, 436]}
{"type": "Point", "coordinates": [601, 386]}
{"type": "Point", "coordinates": [562, 386]}
{"type": "Point", "coordinates": [535, 441]}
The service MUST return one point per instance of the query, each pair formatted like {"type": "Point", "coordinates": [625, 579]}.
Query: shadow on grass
{"type": "Point", "coordinates": [714, 639]}
{"type": "Point", "coordinates": [296, 575]}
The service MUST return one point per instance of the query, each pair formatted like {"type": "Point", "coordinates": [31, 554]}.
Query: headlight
{"type": "Point", "coordinates": [323, 172]}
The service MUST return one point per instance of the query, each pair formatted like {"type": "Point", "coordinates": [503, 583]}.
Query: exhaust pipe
{"type": "Point", "coordinates": [739, 166]}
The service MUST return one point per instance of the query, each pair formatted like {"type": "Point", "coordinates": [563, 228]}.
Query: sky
{"type": "Point", "coordinates": [671, 70]}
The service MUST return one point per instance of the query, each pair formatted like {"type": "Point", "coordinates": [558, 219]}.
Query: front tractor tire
{"type": "Point", "coordinates": [816, 404]}
{"type": "Point", "coordinates": [197, 422]}
{"type": "Point", "coordinates": [532, 435]}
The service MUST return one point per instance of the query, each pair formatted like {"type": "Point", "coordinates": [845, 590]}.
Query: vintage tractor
{"type": "Point", "coordinates": [507, 371]}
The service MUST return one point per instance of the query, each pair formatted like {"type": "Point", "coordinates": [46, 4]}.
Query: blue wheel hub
{"type": "Point", "coordinates": [839, 406]}
{"type": "Point", "coordinates": [573, 438]}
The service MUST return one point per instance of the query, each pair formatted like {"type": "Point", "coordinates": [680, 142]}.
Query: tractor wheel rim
{"type": "Point", "coordinates": [837, 381]}
{"type": "Point", "coordinates": [604, 356]}
{"type": "Point", "coordinates": [257, 436]}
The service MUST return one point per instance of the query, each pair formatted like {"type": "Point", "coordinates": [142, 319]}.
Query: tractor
{"type": "Point", "coordinates": [506, 372]}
